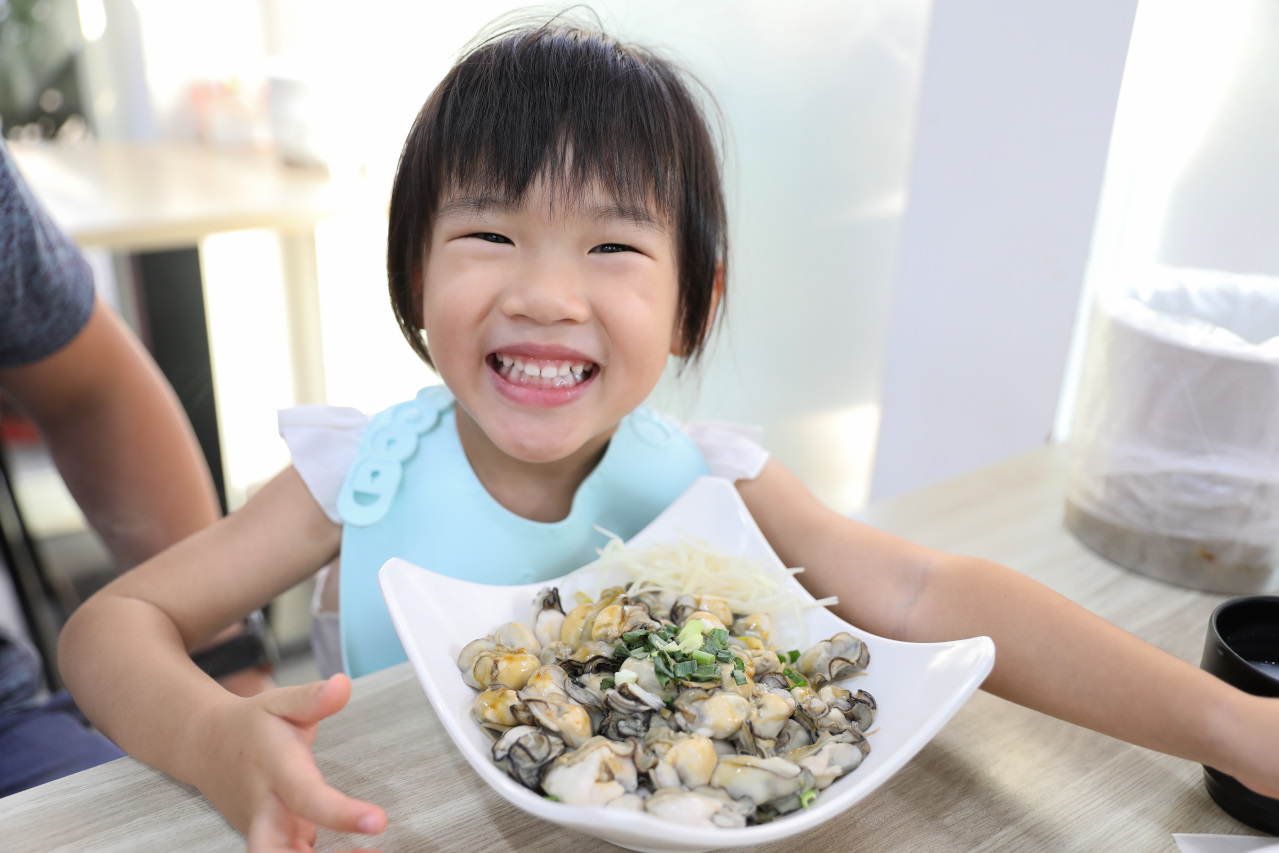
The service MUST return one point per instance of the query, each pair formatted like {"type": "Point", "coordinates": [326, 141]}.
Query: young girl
{"type": "Point", "coordinates": [557, 231]}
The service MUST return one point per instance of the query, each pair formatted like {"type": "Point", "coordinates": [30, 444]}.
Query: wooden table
{"type": "Point", "coordinates": [997, 778]}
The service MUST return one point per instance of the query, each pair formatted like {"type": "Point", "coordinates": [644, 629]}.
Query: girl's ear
{"type": "Point", "coordinates": [677, 341]}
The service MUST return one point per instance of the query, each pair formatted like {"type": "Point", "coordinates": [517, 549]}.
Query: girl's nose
{"type": "Point", "coordinates": [547, 291]}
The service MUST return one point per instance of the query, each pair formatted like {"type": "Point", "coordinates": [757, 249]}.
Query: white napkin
{"type": "Point", "coordinates": [1188, 843]}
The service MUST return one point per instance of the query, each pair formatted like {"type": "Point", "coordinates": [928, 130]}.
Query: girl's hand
{"type": "Point", "coordinates": [259, 771]}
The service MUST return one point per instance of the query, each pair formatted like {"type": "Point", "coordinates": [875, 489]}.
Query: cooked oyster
{"type": "Point", "coordinates": [834, 709]}
{"type": "Point", "coordinates": [658, 602]}
{"type": "Point", "coordinates": [620, 617]}
{"type": "Point", "coordinates": [678, 759]}
{"type": "Point", "coordinates": [760, 662]}
{"type": "Point", "coordinates": [594, 774]}
{"type": "Point", "coordinates": [689, 606]}
{"type": "Point", "coordinates": [500, 708]}
{"type": "Point", "coordinates": [547, 698]}
{"type": "Point", "coordinates": [770, 710]}
{"type": "Point", "coordinates": [772, 781]}
{"type": "Point", "coordinates": [831, 756]}
{"type": "Point", "coordinates": [793, 735]}
{"type": "Point", "coordinates": [646, 677]}
{"type": "Point", "coordinates": [758, 625]}
{"type": "Point", "coordinates": [548, 616]}
{"type": "Point", "coordinates": [484, 663]}
{"type": "Point", "coordinates": [858, 708]}
{"type": "Point", "coordinates": [711, 713]}
{"type": "Point", "coordinates": [525, 751]}
{"type": "Point", "coordinates": [591, 656]}
{"type": "Point", "coordinates": [701, 806]}
{"type": "Point", "coordinates": [517, 635]}
{"type": "Point", "coordinates": [579, 621]}
{"type": "Point", "coordinates": [830, 660]}
{"type": "Point", "coordinates": [555, 652]}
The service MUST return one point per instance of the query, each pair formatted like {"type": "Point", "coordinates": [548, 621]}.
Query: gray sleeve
{"type": "Point", "coordinates": [46, 286]}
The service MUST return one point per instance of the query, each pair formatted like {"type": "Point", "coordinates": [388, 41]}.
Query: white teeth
{"type": "Point", "coordinates": [555, 375]}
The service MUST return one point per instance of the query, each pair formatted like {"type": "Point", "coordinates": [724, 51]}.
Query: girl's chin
{"type": "Point", "coordinates": [544, 443]}
{"type": "Point", "coordinates": [553, 450]}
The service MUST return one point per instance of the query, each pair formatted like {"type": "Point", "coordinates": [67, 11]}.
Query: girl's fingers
{"type": "Point", "coordinates": [272, 829]}
{"type": "Point", "coordinates": [308, 704]}
{"type": "Point", "coordinates": [319, 804]}
{"type": "Point", "coordinates": [307, 832]}
{"type": "Point", "coordinates": [277, 828]}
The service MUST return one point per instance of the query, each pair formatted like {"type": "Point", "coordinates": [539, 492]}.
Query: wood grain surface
{"type": "Point", "coordinates": [997, 778]}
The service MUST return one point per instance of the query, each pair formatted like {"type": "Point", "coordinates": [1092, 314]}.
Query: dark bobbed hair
{"type": "Point", "coordinates": [574, 107]}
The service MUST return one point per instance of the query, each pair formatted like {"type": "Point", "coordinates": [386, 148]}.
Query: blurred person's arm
{"type": "Point", "coordinates": [120, 439]}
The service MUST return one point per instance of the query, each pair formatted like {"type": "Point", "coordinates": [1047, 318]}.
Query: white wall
{"type": "Point", "coordinates": [1015, 117]}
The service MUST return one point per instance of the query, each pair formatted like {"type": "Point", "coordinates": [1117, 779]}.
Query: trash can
{"type": "Point", "coordinates": [1174, 458]}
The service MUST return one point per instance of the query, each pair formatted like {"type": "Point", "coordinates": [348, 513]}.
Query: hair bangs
{"type": "Point", "coordinates": [573, 110]}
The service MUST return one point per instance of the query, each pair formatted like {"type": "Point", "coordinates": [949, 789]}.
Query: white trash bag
{"type": "Point", "coordinates": [1175, 445]}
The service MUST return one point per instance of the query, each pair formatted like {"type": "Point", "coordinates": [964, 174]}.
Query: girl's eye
{"type": "Point", "coordinates": [490, 237]}
{"type": "Point", "coordinates": [612, 248]}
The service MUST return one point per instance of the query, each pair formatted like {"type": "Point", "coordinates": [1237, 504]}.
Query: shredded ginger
{"type": "Point", "coordinates": [692, 566]}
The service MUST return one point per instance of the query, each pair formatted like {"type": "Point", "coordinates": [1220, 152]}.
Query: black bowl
{"type": "Point", "coordinates": [1242, 633]}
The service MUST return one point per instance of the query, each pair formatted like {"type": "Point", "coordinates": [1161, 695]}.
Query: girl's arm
{"type": "Point", "coordinates": [1051, 655]}
{"type": "Point", "coordinates": [125, 657]}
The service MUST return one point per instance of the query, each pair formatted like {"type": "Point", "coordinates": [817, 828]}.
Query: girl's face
{"type": "Point", "coordinates": [549, 322]}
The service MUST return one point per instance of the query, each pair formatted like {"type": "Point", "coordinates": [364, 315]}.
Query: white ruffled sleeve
{"type": "Point", "coordinates": [732, 451]}
{"type": "Point", "coordinates": [323, 441]}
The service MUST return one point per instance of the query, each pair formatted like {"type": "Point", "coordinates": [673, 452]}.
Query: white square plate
{"type": "Point", "coordinates": [918, 687]}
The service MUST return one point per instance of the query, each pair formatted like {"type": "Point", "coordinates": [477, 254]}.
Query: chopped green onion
{"type": "Point", "coordinates": [737, 663]}
{"type": "Point", "coordinates": [633, 637]}
{"type": "Point", "coordinates": [723, 655]}
{"type": "Point", "coordinates": [739, 677]}
{"type": "Point", "coordinates": [607, 684]}
{"type": "Point", "coordinates": [706, 672]}
{"type": "Point", "coordinates": [625, 676]}
{"type": "Point", "coordinates": [620, 651]}
{"type": "Point", "coordinates": [792, 655]}
{"type": "Point", "coordinates": [703, 657]}
{"type": "Point", "coordinates": [690, 636]}
{"type": "Point", "coordinates": [661, 670]}
{"type": "Point", "coordinates": [806, 799]}
{"type": "Point", "coordinates": [796, 679]}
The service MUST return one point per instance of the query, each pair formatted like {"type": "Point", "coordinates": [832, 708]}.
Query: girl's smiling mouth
{"type": "Point", "coordinates": [546, 373]}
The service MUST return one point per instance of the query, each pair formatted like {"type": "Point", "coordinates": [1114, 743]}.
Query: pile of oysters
{"type": "Point", "coordinates": [668, 704]}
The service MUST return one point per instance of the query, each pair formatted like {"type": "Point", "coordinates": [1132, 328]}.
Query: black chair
{"type": "Point", "coordinates": [42, 606]}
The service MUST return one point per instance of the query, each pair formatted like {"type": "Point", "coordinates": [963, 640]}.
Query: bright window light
{"type": "Point", "coordinates": [93, 19]}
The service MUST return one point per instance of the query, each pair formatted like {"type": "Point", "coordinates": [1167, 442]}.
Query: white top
{"type": "Point", "coordinates": [323, 441]}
